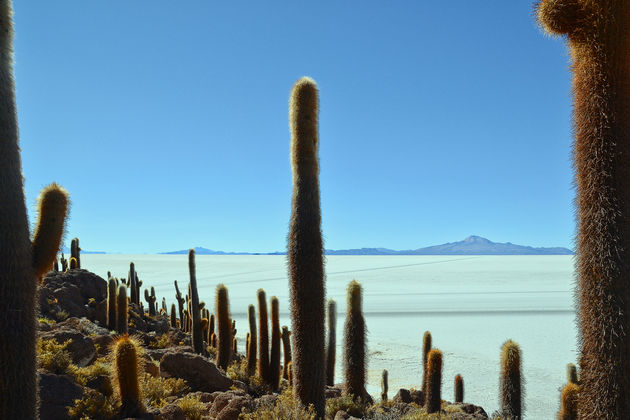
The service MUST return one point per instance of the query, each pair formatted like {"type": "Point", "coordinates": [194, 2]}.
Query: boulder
{"type": "Point", "coordinates": [81, 348]}
{"type": "Point", "coordinates": [402, 396]}
{"type": "Point", "coordinates": [198, 371]}
{"type": "Point", "coordinates": [56, 394]}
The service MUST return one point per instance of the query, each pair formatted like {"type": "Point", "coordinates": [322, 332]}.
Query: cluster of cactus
{"type": "Point", "coordinates": [151, 301]}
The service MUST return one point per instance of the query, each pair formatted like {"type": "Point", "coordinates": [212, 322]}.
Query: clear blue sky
{"type": "Point", "coordinates": [168, 123]}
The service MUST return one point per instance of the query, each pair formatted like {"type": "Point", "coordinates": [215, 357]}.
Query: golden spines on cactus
{"type": "Point", "coordinates": [126, 377]}
{"type": "Point", "coordinates": [568, 402]}
{"type": "Point", "coordinates": [355, 361]}
{"type": "Point", "coordinates": [306, 249]}
{"type": "Point", "coordinates": [511, 386]}
{"type": "Point", "coordinates": [331, 348]}
{"type": "Point", "coordinates": [122, 308]}
{"type": "Point", "coordinates": [252, 346]}
{"type": "Point", "coordinates": [274, 361]}
{"type": "Point", "coordinates": [263, 337]}
{"type": "Point", "coordinates": [73, 263]}
{"type": "Point", "coordinates": [224, 339]}
{"type": "Point", "coordinates": [286, 351]}
{"type": "Point", "coordinates": [52, 211]}
{"type": "Point", "coordinates": [426, 348]}
{"type": "Point", "coordinates": [598, 37]}
{"type": "Point", "coordinates": [459, 389]}
{"type": "Point", "coordinates": [112, 297]}
{"type": "Point", "coordinates": [433, 396]}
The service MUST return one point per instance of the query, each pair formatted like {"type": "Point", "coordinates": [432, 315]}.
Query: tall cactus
{"type": "Point", "coordinates": [332, 342]}
{"type": "Point", "coordinates": [131, 277]}
{"type": "Point", "coordinates": [180, 304]}
{"type": "Point", "coordinates": [126, 370]}
{"type": "Point", "coordinates": [263, 337]}
{"type": "Point", "coordinates": [286, 351]}
{"type": "Point", "coordinates": [459, 389]}
{"type": "Point", "coordinates": [354, 354]}
{"type": "Point", "coordinates": [384, 385]}
{"type": "Point", "coordinates": [433, 397]}
{"type": "Point", "coordinates": [197, 335]}
{"type": "Point", "coordinates": [122, 310]}
{"type": "Point", "coordinates": [111, 303]}
{"type": "Point", "coordinates": [274, 361]}
{"type": "Point", "coordinates": [426, 348]}
{"type": "Point", "coordinates": [224, 351]}
{"type": "Point", "coordinates": [568, 402]}
{"type": "Point", "coordinates": [511, 387]}
{"type": "Point", "coordinates": [150, 298]}
{"type": "Point", "coordinates": [251, 347]}
{"type": "Point", "coordinates": [598, 36]}
{"type": "Point", "coordinates": [173, 316]}
{"type": "Point", "coordinates": [75, 251]}
{"type": "Point", "coordinates": [306, 249]}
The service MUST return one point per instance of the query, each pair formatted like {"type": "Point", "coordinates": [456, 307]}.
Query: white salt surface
{"type": "Point", "coordinates": [471, 305]}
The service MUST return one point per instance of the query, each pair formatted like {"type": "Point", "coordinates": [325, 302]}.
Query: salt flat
{"type": "Point", "coordinates": [471, 305]}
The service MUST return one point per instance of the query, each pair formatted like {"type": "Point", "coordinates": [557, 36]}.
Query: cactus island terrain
{"type": "Point", "coordinates": [84, 337]}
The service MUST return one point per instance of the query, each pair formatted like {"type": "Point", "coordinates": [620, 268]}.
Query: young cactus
{"type": "Point", "coordinates": [150, 298]}
{"type": "Point", "coordinates": [306, 250]}
{"type": "Point", "coordinates": [433, 397]}
{"type": "Point", "coordinates": [197, 334]}
{"type": "Point", "coordinates": [572, 375]}
{"type": "Point", "coordinates": [274, 361]}
{"type": "Point", "coordinates": [122, 309]}
{"type": "Point", "coordinates": [126, 371]}
{"type": "Point", "coordinates": [286, 350]}
{"type": "Point", "coordinates": [568, 402]}
{"type": "Point", "coordinates": [224, 351]}
{"type": "Point", "coordinates": [384, 386]}
{"type": "Point", "coordinates": [426, 348]}
{"type": "Point", "coordinates": [263, 337]}
{"type": "Point", "coordinates": [459, 389]}
{"type": "Point", "coordinates": [597, 36]}
{"type": "Point", "coordinates": [251, 347]}
{"type": "Point", "coordinates": [511, 388]}
{"type": "Point", "coordinates": [75, 251]}
{"type": "Point", "coordinates": [111, 303]}
{"type": "Point", "coordinates": [355, 366]}
{"type": "Point", "coordinates": [173, 316]}
{"type": "Point", "coordinates": [332, 342]}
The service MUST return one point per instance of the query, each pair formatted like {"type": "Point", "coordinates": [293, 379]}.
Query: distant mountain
{"type": "Point", "coordinates": [473, 245]}
{"type": "Point", "coordinates": [66, 250]}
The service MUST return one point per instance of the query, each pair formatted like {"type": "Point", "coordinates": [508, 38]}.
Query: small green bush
{"type": "Point", "coordinates": [156, 390]}
{"type": "Point", "coordinates": [53, 357]}
{"type": "Point", "coordinates": [192, 407]}
{"type": "Point", "coordinates": [286, 407]}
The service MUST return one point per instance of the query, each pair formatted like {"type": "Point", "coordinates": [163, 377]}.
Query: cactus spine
{"type": "Point", "coordinates": [433, 397]}
{"type": "Point", "coordinates": [305, 249]}
{"type": "Point", "coordinates": [597, 34]}
{"type": "Point", "coordinates": [511, 389]}
{"type": "Point", "coordinates": [224, 351]}
{"type": "Point", "coordinates": [251, 350]}
{"type": "Point", "coordinates": [459, 389]}
{"type": "Point", "coordinates": [568, 402]}
{"type": "Point", "coordinates": [126, 369]}
{"type": "Point", "coordinates": [263, 337]}
{"type": "Point", "coordinates": [274, 361]}
{"type": "Point", "coordinates": [122, 310]}
{"type": "Point", "coordinates": [111, 303]}
{"type": "Point", "coordinates": [384, 385]}
{"type": "Point", "coordinates": [75, 251]}
{"type": "Point", "coordinates": [355, 342]}
{"type": "Point", "coordinates": [197, 335]}
{"type": "Point", "coordinates": [286, 350]}
{"type": "Point", "coordinates": [73, 263]}
{"type": "Point", "coordinates": [332, 342]}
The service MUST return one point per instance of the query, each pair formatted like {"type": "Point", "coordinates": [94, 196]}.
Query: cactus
{"type": "Point", "coordinates": [251, 347]}
{"type": "Point", "coordinates": [122, 310]}
{"type": "Point", "coordinates": [306, 249]}
{"type": "Point", "coordinates": [459, 389]}
{"type": "Point", "coordinates": [213, 340]}
{"type": "Point", "coordinates": [290, 373]}
{"type": "Point", "coordinates": [263, 337]}
{"type": "Point", "coordinates": [111, 303]}
{"type": "Point", "coordinates": [426, 348]}
{"type": "Point", "coordinates": [234, 346]}
{"type": "Point", "coordinates": [131, 276]}
{"type": "Point", "coordinates": [150, 300]}
{"type": "Point", "coordinates": [56, 266]}
{"type": "Point", "coordinates": [180, 304]}
{"type": "Point", "coordinates": [210, 327]}
{"type": "Point", "coordinates": [164, 307]}
{"type": "Point", "coordinates": [433, 397]}
{"type": "Point", "coordinates": [173, 316]}
{"type": "Point", "coordinates": [126, 371]}
{"type": "Point", "coordinates": [286, 350]}
{"type": "Point", "coordinates": [572, 375]}
{"type": "Point", "coordinates": [597, 36]}
{"type": "Point", "coordinates": [384, 386]}
{"type": "Point", "coordinates": [274, 361]}
{"type": "Point", "coordinates": [247, 346]}
{"type": "Point", "coordinates": [64, 263]}
{"type": "Point", "coordinates": [73, 263]}
{"type": "Point", "coordinates": [224, 340]}
{"type": "Point", "coordinates": [568, 402]}
{"type": "Point", "coordinates": [511, 388]}
{"type": "Point", "coordinates": [355, 343]}
{"type": "Point", "coordinates": [332, 342]}
{"type": "Point", "coordinates": [75, 252]}
{"type": "Point", "coordinates": [197, 334]}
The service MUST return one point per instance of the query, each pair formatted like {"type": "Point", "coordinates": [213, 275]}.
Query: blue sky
{"type": "Point", "coordinates": [168, 124]}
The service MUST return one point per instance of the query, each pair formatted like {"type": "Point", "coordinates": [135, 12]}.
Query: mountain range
{"type": "Point", "coordinates": [472, 245]}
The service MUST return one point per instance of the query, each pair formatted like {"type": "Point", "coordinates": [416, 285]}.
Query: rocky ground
{"type": "Point", "coordinates": [75, 376]}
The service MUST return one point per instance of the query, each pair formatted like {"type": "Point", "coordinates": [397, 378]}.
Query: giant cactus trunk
{"type": "Point", "coordinates": [197, 335]}
{"type": "Point", "coordinates": [598, 34]}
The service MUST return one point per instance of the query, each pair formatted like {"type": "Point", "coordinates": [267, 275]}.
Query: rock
{"type": "Point", "coordinates": [472, 410]}
{"type": "Point", "coordinates": [172, 412]}
{"type": "Point", "coordinates": [332, 392]}
{"type": "Point", "coordinates": [235, 407]}
{"type": "Point", "coordinates": [402, 396]}
{"type": "Point", "coordinates": [198, 371]}
{"type": "Point", "coordinates": [102, 384]}
{"type": "Point", "coordinates": [103, 344]}
{"type": "Point", "coordinates": [81, 348]}
{"type": "Point", "coordinates": [56, 394]}
{"type": "Point", "coordinates": [417, 397]}
{"type": "Point", "coordinates": [341, 415]}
